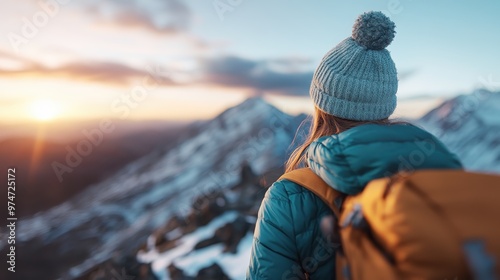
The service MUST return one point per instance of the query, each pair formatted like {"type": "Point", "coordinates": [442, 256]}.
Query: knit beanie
{"type": "Point", "coordinates": [357, 79]}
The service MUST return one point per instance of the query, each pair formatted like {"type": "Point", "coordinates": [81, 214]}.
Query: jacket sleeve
{"type": "Point", "coordinates": [274, 251]}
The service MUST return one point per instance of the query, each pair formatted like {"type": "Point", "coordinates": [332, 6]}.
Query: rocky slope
{"type": "Point", "coordinates": [190, 213]}
{"type": "Point", "coordinates": [115, 217]}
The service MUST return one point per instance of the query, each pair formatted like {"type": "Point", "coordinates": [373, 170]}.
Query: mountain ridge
{"type": "Point", "coordinates": [142, 196]}
{"type": "Point", "coordinates": [469, 125]}
{"type": "Point", "coordinates": [187, 194]}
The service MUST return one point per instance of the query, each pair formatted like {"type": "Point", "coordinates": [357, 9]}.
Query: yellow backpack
{"type": "Point", "coordinates": [430, 224]}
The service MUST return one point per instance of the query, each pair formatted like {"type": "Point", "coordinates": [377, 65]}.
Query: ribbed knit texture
{"type": "Point", "coordinates": [355, 81]}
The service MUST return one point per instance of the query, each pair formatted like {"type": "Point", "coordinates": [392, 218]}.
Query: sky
{"type": "Point", "coordinates": [76, 60]}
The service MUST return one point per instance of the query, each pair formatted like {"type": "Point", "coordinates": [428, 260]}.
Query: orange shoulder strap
{"type": "Point", "coordinates": [309, 180]}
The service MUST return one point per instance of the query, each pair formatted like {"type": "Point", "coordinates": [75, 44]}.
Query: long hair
{"type": "Point", "coordinates": [323, 124]}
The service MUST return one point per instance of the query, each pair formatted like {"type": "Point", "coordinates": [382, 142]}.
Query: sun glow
{"type": "Point", "coordinates": [44, 110]}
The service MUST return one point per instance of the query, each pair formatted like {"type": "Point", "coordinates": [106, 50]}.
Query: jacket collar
{"type": "Point", "coordinates": [349, 160]}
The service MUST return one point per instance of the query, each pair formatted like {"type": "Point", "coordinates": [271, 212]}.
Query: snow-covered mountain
{"type": "Point", "coordinates": [215, 238]}
{"type": "Point", "coordinates": [469, 125]}
{"type": "Point", "coordinates": [189, 213]}
{"type": "Point", "coordinates": [118, 214]}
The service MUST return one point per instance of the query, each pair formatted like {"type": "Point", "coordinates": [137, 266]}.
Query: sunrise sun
{"type": "Point", "coordinates": [44, 110]}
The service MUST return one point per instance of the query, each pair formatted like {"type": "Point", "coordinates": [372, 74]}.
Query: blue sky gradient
{"type": "Point", "coordinates": [82, 57]}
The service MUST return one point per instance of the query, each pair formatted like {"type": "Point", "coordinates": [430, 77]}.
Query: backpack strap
{"type": "Point", "coordinates": [309, 180]}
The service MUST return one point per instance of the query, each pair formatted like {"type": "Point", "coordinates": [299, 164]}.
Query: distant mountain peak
{"type": "Point", "coordinates": [468, 125]}
{"type": "Point", "coordinates": [257, 101]}
{"type": "Point", "coordinates": [252, 109]}
{"type": "Point", "coordinates": [480, 105]}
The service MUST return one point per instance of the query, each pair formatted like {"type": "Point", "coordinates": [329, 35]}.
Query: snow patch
{"type": "Point", "coordinates": [160, 261]}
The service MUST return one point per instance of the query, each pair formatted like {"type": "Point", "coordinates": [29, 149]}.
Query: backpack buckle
{"type": "Point", "coordinates": [481, 263]}
{"type": "Point", "coordinates": [355, 218]}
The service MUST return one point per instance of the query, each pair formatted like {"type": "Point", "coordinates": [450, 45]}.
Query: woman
{"type": "Point", "coordinates": [351, 142]}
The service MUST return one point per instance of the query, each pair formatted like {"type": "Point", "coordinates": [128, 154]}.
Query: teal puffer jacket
{"type": "Point", "coordinates": [288, 240]}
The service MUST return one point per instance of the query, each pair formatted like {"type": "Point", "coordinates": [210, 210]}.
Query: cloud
{"type": "Point", "coordinates": [285, 76]}
{"type": "Point", "coordinates": [157, 16]}
{"type": "Point", "coordinates": [101, 72]}
{"type": "Point", "coordinates": [260, 75]}
{"type": "Point", "coordinates": [6, 55]}
{"type": "Point", "coordinates": [277, 76]}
